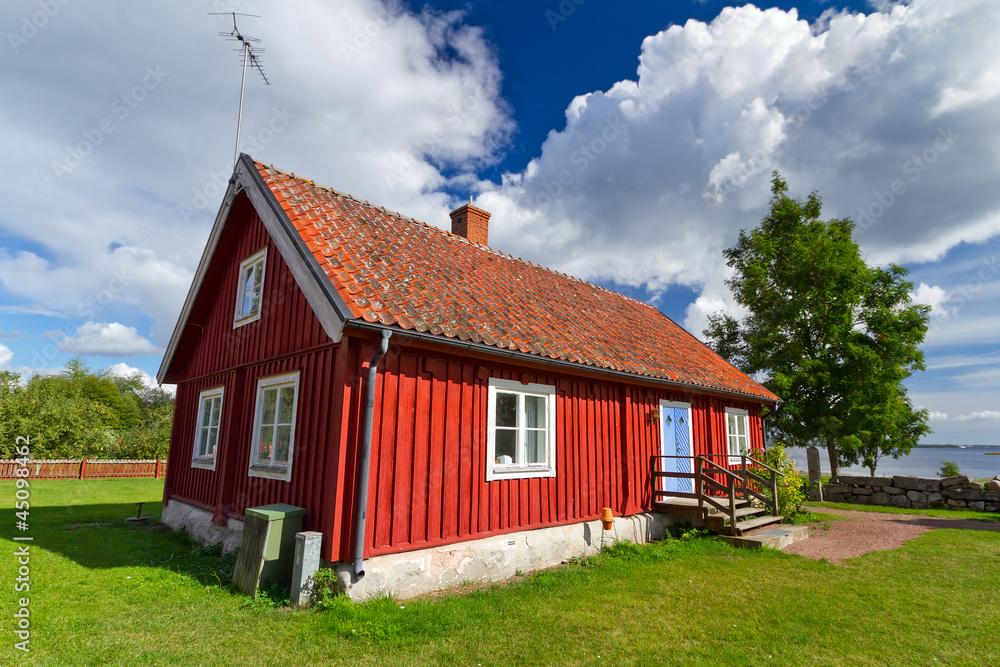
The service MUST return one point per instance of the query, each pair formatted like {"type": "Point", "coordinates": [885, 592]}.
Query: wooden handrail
{"type": "Point", "coordinates": [703, 481]}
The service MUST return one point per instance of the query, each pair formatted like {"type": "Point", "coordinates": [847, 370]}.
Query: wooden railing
{"type": "Point", "coordinates": [718, 485]}
{"type": "Point", "coordinates": [87, 469]}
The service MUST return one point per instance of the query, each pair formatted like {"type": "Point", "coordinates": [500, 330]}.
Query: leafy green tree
{"type": "Point", "coordinates": [830, 335]}
{"type": "Point", "coordinates": [892, 429]}
{"type": "Point", "coordinates": [83, 414]}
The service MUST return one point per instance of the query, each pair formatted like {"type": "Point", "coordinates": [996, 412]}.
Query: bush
{"type": "Point", "coordinates": [791, 493]}
{"type": "Point", "coordinates": [949, 469]}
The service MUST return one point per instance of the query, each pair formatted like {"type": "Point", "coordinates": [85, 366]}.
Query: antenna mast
{"type": "Point", "coordinates": [250, 55]}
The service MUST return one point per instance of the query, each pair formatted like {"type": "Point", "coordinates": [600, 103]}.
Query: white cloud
{"type": "Point", "coordinates": [934, 415]}
{"type": "Point", "coordinates": [933, 296]}
{"type": "Point", "coordinates": [979, 416]}
{"type": "Point", "coordinates": [122, 233]}
{"type": "Point", "coordinates": [122, 369]}
{"type": "Point", "coordinates": [650, 180]}
{"type": "Point", "coordinates": [107, 339]}
{"type": "Point", "coordinates": [5, 356]}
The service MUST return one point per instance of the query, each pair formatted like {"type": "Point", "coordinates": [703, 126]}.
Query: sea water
{"type": "Point", "coordinates": [924, 461]}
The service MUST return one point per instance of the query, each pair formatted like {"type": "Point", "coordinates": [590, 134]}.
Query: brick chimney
{"type": "Point", "coordinates": [471, 222]}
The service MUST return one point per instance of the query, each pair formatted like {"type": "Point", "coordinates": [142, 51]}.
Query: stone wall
{"type": "Point", "coordinates": [916, 492]}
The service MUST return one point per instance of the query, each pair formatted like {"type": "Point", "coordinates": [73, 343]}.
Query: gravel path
{"type": "Point", "coordinates": [872, 531]}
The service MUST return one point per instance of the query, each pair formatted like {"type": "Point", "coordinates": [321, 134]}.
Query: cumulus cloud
{"type": "Point", "coordinates": [979, 416]}
{"type": "Point", "coordinates": [5, 357]}
{"type": "Point", "coordinates": [124, 146]}
{"type": "Point", "coordinates": [934, 415]}
{"type": "Point", "coordinates": [107, 339]}
{"type": "Point", "coordinates": [124, 370]}
{"type": "Point", "coordinates": [651, 179]}
{"type": "Point", "coordinates": [933, 296]}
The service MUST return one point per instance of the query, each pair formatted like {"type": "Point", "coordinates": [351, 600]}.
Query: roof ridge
{"type": "Point", "coordinates": [481, 246]}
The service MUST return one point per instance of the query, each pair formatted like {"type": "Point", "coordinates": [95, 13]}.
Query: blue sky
{"type": "Point", "coordinates": [624, 146]}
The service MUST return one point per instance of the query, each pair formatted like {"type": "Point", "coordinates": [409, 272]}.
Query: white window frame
{"type": "Point", "coordinates": [733, 438]}
{"type": "Point", "coordinates": [498, 471]}
{"type": "Point", "coordinates": [271, 471]}
{"type": "Point", "coordinates": [207, 462]}
{"type": "Point", "coordinates": [259, 257]}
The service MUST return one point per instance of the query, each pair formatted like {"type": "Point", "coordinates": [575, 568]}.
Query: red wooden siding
{"type": "Point", "coordinates": [286, 325]}
{"type": "Point", "coordinates": [428, 475]}
{"type": "Point", "coordinates": [286, 338]}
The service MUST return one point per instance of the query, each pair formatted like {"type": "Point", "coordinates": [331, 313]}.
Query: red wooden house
{"type": "Point", "coordinates": [510, 403]}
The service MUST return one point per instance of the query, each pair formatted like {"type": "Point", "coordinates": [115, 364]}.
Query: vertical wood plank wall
{"type": "Point", "coordinates": [428, 476]}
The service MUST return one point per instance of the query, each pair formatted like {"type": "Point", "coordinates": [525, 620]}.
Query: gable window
{"type": "Point", "coordinates": [250, 288]}
{"type": "Point", "coordinates": [274, 427]}
{"type": "Point", "coordinates": [206, 436]}
{"type": "Point", "coordinates": [738, 428]}
{"type": "Point", "coordinates": [521, 430]}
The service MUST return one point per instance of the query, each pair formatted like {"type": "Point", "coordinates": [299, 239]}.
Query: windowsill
{"type": "Point", "coordinates": [246, 320]}
{"type": "Point", "coordinates": [203, 464]}
{"type": "Point", "coordinates": [270, 472]}
{"type": "Point", "coordinates": [497, 472]}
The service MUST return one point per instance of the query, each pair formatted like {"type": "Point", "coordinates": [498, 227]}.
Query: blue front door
{"type": "Point", "coordinates": [676, 442]}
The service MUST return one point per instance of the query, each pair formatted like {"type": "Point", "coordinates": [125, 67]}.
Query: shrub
{"type": "Point", "coordinates": [949, 469]}
{"type": "Point", "coordinates": [791, 494]}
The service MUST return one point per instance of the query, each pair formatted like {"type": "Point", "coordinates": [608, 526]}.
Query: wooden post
{"type": "Point", "coordinates": [732, 505]}
{"type": "Point", "coordinates": [774, 494]}
{"type": "Point", "coordinates": [699, 486]}
{"type": "Point", "coordinates": [815, 475]}
{"type": "Point", "coordinates": [156, 471]}
{"type": "Point", "coordinates": [82, 463]}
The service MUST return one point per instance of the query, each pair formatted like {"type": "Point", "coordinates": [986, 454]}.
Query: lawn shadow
{"type": "Point", "coordinates": [98, 537]}
{"type": "Point", "coordinates": [931, 523]}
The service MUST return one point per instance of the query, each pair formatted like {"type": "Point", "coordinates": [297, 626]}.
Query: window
{"type": "Point", "coordinates": [274, 427]}
{"type": "Point", "coordinates": [206, 435]}
{"type": "Point", "coordinates": [250, 288]}
{"type": "Point", "coordinates": [737, 424]}
{"type": "Point", "coordinates": [521, 430]}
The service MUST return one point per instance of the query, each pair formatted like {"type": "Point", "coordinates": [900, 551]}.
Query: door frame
{"type": "Point", "coordinates": [684, 406]}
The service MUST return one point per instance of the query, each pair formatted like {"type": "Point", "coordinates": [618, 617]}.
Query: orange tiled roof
{"type": "Point", "coordinates": [397, 271]}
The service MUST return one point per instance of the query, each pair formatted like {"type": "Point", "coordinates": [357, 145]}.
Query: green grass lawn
{"type": "Point", "coordinates": [106, 593]}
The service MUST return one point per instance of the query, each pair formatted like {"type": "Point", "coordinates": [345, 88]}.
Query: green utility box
{"type": "Point", "coordinates": [267, 548]}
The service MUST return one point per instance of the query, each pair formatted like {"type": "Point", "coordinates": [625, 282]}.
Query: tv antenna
{"type": "Point", "coordinates": [251, 55]}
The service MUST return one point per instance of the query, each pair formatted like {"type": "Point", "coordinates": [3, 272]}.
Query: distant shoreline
{"type": "Point", "coordinates": [996, 447]}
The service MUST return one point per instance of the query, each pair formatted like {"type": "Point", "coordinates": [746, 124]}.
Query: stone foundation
{"type": "Point", "coordinates": [198, 524]}
{"type": "Point", "coordinates": [496, 558]}
{"type": "Point", "coordinates": [916, 492]}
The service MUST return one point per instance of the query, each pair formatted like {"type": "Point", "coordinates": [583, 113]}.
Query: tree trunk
{"type": "Point", "coordinates": [831, 448]}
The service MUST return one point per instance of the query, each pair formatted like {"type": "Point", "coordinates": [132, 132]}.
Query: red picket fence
{"type": "Point", "coordinates": [87, 469]}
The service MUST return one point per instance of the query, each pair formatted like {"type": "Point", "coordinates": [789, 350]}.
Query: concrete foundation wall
{"type": "Point", "coordinates": [412, 573]}
{"type": "Point", "coordinates": [198, 524]}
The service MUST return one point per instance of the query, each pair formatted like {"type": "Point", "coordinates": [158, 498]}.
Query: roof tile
{"type": "Point", "coordinates": [396, 271]}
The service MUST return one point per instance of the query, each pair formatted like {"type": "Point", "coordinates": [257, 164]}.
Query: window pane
{"type": "Point", "coordinates": [534, 411]}
{"type": "Point", "coordinates": [270, 398]}
{"type": "Point", "coordinates": [202, 442]}
{"type": "Point", "coordinates": [734, 445]}
{"type": "Point", "coordinates": [732, 423]}
{"type": "Point", "coordinates": [506, 409]}
{"type": "Point", "coordinates": [285, 405]}
{"type": "Point", "coordinates": [741, 424]}
{"type": "Point", "coordinates": [213, 437]}
{"type": "Point", "coordinates": [206, 411]}
{"type": "Point", "coordinates": [264, 453]}
{"type": "Point", "coordinates": [281, 444]}
{"type": "Point", "coordinates": [506, 444]}
{"type": "Point", "coordinates": [534, 446]}
{"type": "Point", "coordinates": [216, 409]}
{"type": "Point", "coordinates": [258, 286]}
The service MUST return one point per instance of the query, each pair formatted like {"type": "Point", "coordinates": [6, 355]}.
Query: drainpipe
{"type": "Point", "coordinates": [366, 460]}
